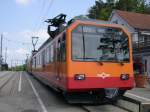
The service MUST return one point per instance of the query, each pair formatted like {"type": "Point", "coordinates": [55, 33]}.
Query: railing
{"type": "Point", "coordinates": [141, 46]}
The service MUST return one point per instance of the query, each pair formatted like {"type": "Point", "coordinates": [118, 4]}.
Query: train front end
{"type": "Point", "coordinates": [99, 58]}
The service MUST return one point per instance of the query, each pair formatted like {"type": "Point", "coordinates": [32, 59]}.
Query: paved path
{"type": "Point", "coordinates": [20, 92]}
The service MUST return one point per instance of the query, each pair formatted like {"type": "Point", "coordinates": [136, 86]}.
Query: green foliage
{"type": "Point", "coordinates": [19, 68]}
{"type": "Point", "coordinates": [102, 10]}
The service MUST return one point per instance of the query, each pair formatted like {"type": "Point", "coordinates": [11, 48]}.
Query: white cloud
{"type": "Point", "coordinates": [42, 34]}
{"type": "Point", "coordinates": [22, 51]}
{"type": "Point", "coordinates": [14, 42]}
{"type": "Point", "coordinates": [8, 52]}
{"type": "Point", "coordinates": [27, 36]}
{"type": "Point", "coordinates": [23, 2]}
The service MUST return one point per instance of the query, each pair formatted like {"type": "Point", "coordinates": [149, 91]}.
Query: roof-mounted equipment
{"type": "Point", "coordinates": [58, 23]}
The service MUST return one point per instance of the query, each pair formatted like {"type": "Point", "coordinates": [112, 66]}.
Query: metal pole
{"type": "Point", "coordinates": [6, 55]}
{"type": "Point", "coordinates": [11, 65]}
{"type": "Point", "coordinates": [1, 52]}
{"type": "Point", "coordinates": [34, 42]}
{"type": "Point", "coordinates": [1, 45]}
{"type": "Point", "coordinates": [15, 64]}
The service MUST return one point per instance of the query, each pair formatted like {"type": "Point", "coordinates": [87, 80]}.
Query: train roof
{"type": "Point", "coordinates": [72, 21]}
{"type": "Point", "coordinates": [93, 20]}
{"type": "Point", "coordinates": [45, 43]}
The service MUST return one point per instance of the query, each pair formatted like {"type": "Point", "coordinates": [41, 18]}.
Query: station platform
{"type": "Point", "coordinates": [141, 94]}
{"type": "Point", "coordinates": [136, 100]}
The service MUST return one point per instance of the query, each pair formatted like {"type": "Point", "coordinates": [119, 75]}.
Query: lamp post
{"type": "Point", "coordinates": [1, 51]}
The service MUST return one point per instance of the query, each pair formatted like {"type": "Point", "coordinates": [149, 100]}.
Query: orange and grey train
{"type": "Point", "coordinates": [88, 57]}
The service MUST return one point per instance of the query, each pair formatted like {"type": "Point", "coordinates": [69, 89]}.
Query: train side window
{"type": "Point", "coordinates": [43, 58]}
{"type": "Point", "coordinates": [34, 62]}
{"type": "Point", "coordinates": [49, 54]}
{"type": "Point", "coordinates": [63, 48]}
{"type": "Point", "coordinates": [55, 52]}
{"type": "Point", "coordinates": [37, 60]}
{"type": "Point", "coordinates": [52, 53]}
{"type": "Point", "coordinates": [59, 50]}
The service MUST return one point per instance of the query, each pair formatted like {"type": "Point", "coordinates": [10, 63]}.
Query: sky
{"type": "Point", "coordinates": [22, 19]}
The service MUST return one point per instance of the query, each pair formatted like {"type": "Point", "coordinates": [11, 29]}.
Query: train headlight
{"type": "Point", "coordinates": [124, 77]}
{"type": "Point", "coordinates": [79, 77]}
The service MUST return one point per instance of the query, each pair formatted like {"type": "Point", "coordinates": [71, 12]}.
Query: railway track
{"type": "Point", "coordinates": [125, 104]}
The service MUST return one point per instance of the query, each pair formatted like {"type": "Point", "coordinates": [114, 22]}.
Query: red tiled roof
{"type": "Point", "coordinates": [136, 20]}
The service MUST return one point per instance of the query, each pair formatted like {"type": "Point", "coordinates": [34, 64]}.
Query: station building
{"type": "Point", "coordinates": [139, 26]}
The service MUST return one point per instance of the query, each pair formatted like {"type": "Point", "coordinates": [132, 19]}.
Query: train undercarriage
{"type": "Point", "coordinates": [100, 96]}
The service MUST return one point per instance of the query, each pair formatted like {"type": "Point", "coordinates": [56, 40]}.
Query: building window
{"type": "Point", "coordinates": [116, 21]}
{"type": "Point", "coordinates": [141, 39]}
{"type": "Point", "coordinates": [145, 64]}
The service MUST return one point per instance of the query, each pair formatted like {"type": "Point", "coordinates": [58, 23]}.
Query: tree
{"type": "Point", "coordinates": [102, 10]}
{"type": "Point", "coordinates": [139, 6]}
{"type": "Point", "coordinates": [20, 68]}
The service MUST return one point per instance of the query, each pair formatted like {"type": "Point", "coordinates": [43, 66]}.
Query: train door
{"type": "Point", "coordinates": [61, 56]}
{"type": "Point", "coordinates": [55, 58]}
{"type": "Point", "coordinates": [62, 59]}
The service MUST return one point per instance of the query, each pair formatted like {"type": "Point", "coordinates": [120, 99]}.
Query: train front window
{"type": "Point", "coordinates": [91, 43]}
